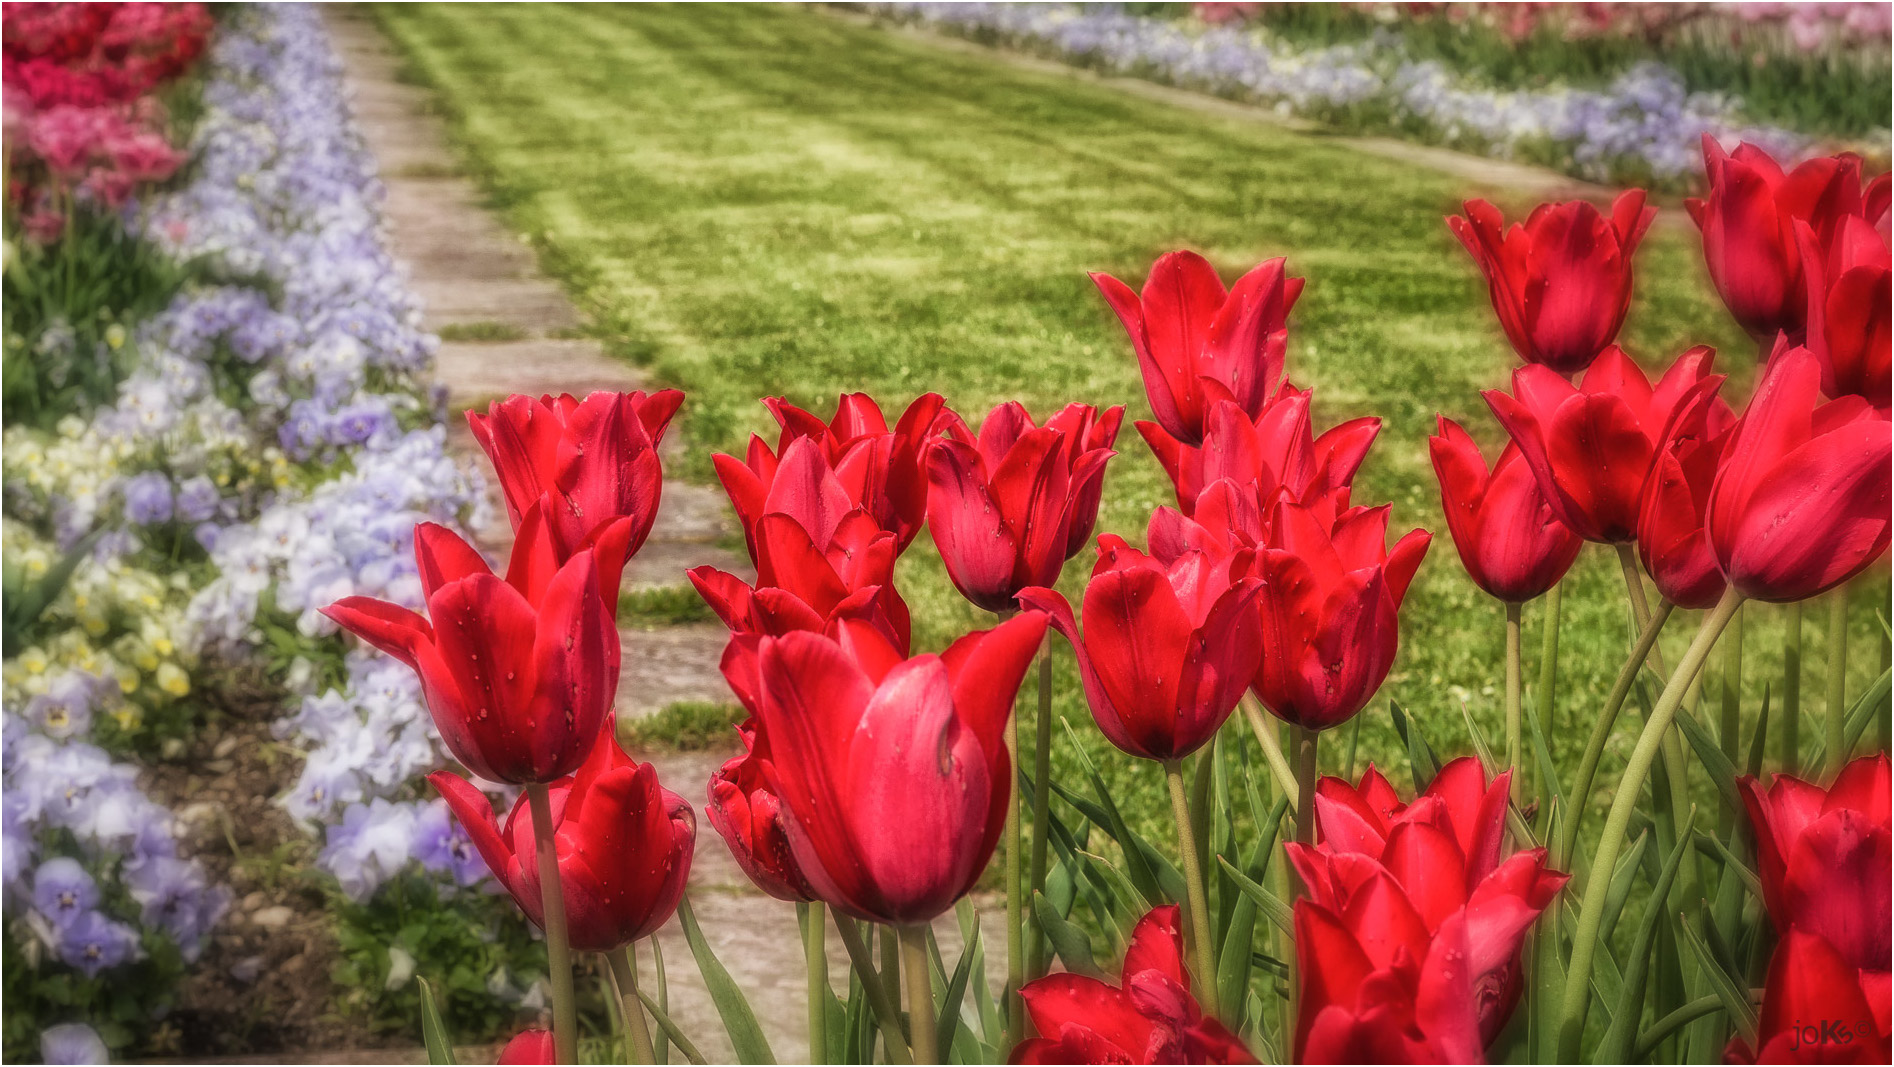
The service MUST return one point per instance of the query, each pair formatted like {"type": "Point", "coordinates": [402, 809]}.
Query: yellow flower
{"type": "Point", "coordinates": [173, 680]}
{"type": "Point", "coordinates": [33, 660]}
{"type": "Point", "coordinates": [115, 336]}
{"type": "Point", "coordinates": [128, 680]}
{"type": "Point", "coordinates": [128, 717]}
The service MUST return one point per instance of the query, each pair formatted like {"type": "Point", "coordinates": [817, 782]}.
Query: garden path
{"type": "Point", "coordinates": [476, 281]}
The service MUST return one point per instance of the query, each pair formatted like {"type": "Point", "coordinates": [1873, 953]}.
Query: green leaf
{"type": "Point", "coordinates": [433, 1032]}
{"type": "Point", "coordinates": [1753, 765]}
{"type": "Point", "coordinates": [1616, 1047]}
{"type": "Point", "coordinates": [669, 1029]}
{"type": "Point", "coordinates": [1710, 753]}
{"type": "Point", "coordinates": [1422, 761]}
{"type": "Point", "coordinates": [662, 1046]}
{"type": "Point", "coordinates": [1708, 844]}
{"type": "Point", "coordinates": [739, 1021]}
{"type": "Point", "coordinates": [1272, 905]}
{"type": "Point", "coordinates": [1733, 994]}
{"type": "Point", "coordinates": [990, 1022]}
{"type": "Point", "coordinates": [1067, 940]}
{"type": "Point", "coordinates": [1137, 865]}
{"type": "Point", "coordinates": [1480, 748]}
{"type": "Point", "coordinates": [1548, 771]}
{"type": "Point", "coordinates": [948, 1010]}
{"type": "Point", "coordinates": [1670, 1024]}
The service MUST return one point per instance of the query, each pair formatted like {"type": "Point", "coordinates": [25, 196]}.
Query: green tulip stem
{"type": "Point", "coordinates": [1837, 708]}
{"type": "Point", "coordinates": [1789, 752]}
{"type": "Point", "coordinates": [565, 1019]}
{"type": "Point", "coordinates": [1578, 989]}
{"type": "Point", "coordinates": [1306, 774]}
{"type": "Point", "coordinates": [894, 1044]}
{"type": "Point", "coordinates": [1264, 726]}
{"type": "Point", "coordinates": [1041, 804]}
{"type": "Point", "coordinates": [816, 958]}
{"type": "Point", "coordinates": [1601, 733]}
{"type": "Point", "coordinates": [890, 961]}
{"type": "Point", "coordinates": [1675, 769]}
{"type": "Point", "coordinates": [920, 994]}
{"type": "Point", "coordinates": [1549, 655]}
{"type": "Point", "coordinates": [637, 1031]}
{"type": "Point", "coordinates": [1199, 902]}
{"type": "Point", "coordinates": [1514, 735]}
{"type": "Point", "coordinates": [1015, 902]}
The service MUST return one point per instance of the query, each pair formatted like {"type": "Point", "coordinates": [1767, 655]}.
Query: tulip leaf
{"type": "Point", "coordinates": [1480, 748]}
{"type": "Point", "coordinates": [1670, 1024]}
{"type": "Point", "coordinates": [990, 1023]}
{"type": "Point", "coordinates": [1134, 902]}
{"type": "Point", "coordinates": [1860, 714]}
{"type": "Point", "coordinates": [1067, 940]}
{"type": "Point", "coordinates": [1354, 743]}
{"type": "Point", "coordinates": [1548, 771]}
{"type": "Point", "coordinates": [1616, 1047]}
{"type": "Point", "coordinates": [1753, 765]}
{"type": "Point", "coordinates": [662, 1043]}
{"type": "Point", "coordinates": [1735, 995]}
{"type": "Point", "coordinates": [1710, 753]}
{"type": "Point", "coordinates": [1619, 889]}
{"type": "Point", "coordinates": [1422, 761]}
{"type": "Point", "coordinates": [1137, 866]}
{"type": "Point", "coordinates": [1233, 977]}
{"type": "Point", "coordinates": [1708, 844]}
{"type": "Point", "coordinates": [433, 1031]}
{"type": "Point", "coordinates": [739, 1021]}
{"type": "Point", "coordinates": [1272, 905]}
{"type": "Point", "coordinates": [669, 1029]}
{"type": "Point", "coordinates": [948, 1011]}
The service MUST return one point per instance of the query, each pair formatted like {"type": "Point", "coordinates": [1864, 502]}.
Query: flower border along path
{"type": "Point", "coordinates": [506, 329]}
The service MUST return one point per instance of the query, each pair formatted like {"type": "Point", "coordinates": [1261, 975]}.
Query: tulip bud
{"type": "Point", "coordinates": [1800, 501]}
{"type": "Point", "coordinates": [1848, 309]}
{"type": "Point", "coordinates": [1561, 282]}
{"type": "Point", "coordinates": [1198, 345]}
{"type": "Point", "coordinates": [1511, 543]}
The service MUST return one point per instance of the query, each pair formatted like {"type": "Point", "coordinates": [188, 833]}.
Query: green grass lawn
{"type": "Point", "coordinates": [775, 200]}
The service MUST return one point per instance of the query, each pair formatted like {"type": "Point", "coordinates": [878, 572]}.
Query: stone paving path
{"type": "Point", "coordinates": [471, 273]}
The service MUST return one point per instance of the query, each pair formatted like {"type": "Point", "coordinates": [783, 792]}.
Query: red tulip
{"type": "Point", "coordinates": [597, 459]}
{"type": "Point", "coordinates": [1672, 540]}
{"type": "Point", "coordinates": [518, 673]}
{"type": "Point", "coordinates": [1800, 501]}
{"type": "Point", "coordinates": [1848, 309]}
{"type": "Point", "coordinates": [893, 773]}
{"type": "Point", "coordinates": [1512, 544]}
{"type": "Point", "coordinates": [1277, 452]}
{"type": "Point", "coordinates": [1592, 446]}
{"type": "Point", "coordinates": [881, 470]}
{"type": "Point", "coordinates": [1824, 858]}
{"type": "Point", "coordinates": [1148, 1017]}
{"type": "Point", "coordinates": [1008, 507]}
{"type": "Point", "coordinates": [529, 1046]}
{"type": "Point", "coordinates": [1168, 647]}
{"type": "Point", "coordinates": [1561, 282]}
{"type": "Point", "coordinates": [1408, 942]}
{"type": "Point", "coordinates": [810, 541]}
{"type": "Point", "coordinates": [1197, 344]}
{"type": "Point", "coordinates": [1817, 1008]}
{"type": "Point", "coordinates": [624, 846]}
{"type": "Point", "coordinates": [1748, 223]}
{"type": "Point", "coordinates": [1330, 608]}
{"type": "Point", "coordinates": [749, 818]}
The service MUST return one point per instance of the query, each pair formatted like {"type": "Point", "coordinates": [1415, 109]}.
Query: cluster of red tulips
{"type": "Point", "coordinates": [879, 783]}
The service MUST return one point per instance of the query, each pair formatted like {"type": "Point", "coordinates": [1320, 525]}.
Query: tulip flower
{"type": "Point", "coordinates": [1591, 446]}
{"type": "Point", "coordinates": [892, 773]}
{"type": "Point", "coordinates": [1276, 452]}
{"type": "Point", "coordinates": [518, 673]}
{"type": "Point", "coordinates": [811, 543]}
{"type": "Point", "coordinates": [1168, 647]}
{"type": "Point", "coordinates": [1148, 1017]}
{"type": "Point", "coordinates": [1330, 608]}
{"type": "Point", "coordinates": [749, 818]}
{"type": "Point", "coordinates": [1819, 1008]}
{"type": "Point", "coordinates": [1823, 857]}
{"type": "Point", "coordinates": [1408, 943]}
{"type": "Point", "coordinates": [1748, 223]}
{"type": "Point", "coordinates": [529, 1046]}
{"type": "Point", "coordinates": [1009, 506]}
{"type": "Point", "coordinates": [597, 459]}
{"type": "Point", "coordinates": [1511, 543]}
{"type": "Point", "coordinates": [1561, 282]}
{"type": "Point", "coordinates": [1197, 344]}
{"type": "Point", "coordinates": [1800, 502]}
{"type": "Point", "coordinates": [1848, 309]}
{"type": "Point", "coordinates": [624, 846]}
{"type": "Point", "coordinates": [1672, 541]}
{"type": "Point", "coordinates": [881, 470]}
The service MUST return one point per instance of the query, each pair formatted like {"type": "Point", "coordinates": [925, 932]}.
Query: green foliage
{"type": "Point", "coordinates": [662, 605]}
{"type": "Point", "coordinates": [481, 331]}
{"type": "Point", "coordinates": [23, 601]}
{"type": "Point", "coordinates": [68, 308]}
{"type": "Point", "coordinates": [461, 942]}
{"type": "Point", "coordinates": [683, 726]}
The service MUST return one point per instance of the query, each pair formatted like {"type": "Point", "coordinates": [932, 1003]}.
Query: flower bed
{"type": "Point", "coordinates": [1644, 127]}
{"type": "Point", "coordinates": [269, 441]}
